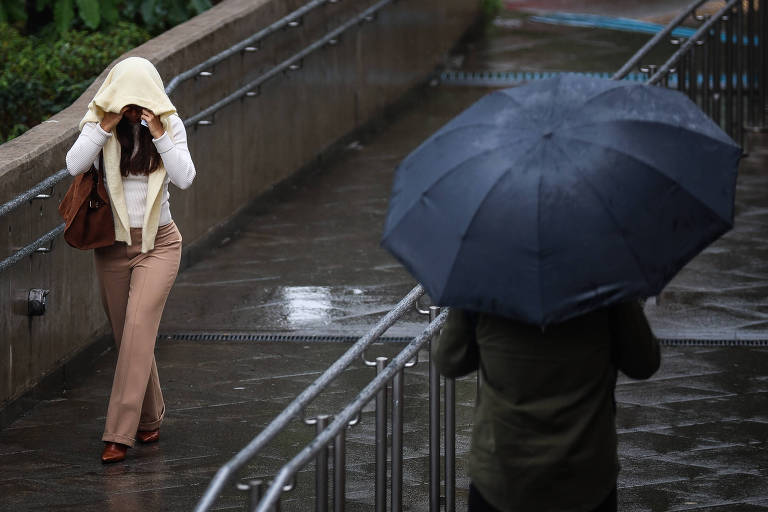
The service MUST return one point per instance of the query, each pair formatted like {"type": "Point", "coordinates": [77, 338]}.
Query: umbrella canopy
{"type": "Point", "coordinates": [550, 200]}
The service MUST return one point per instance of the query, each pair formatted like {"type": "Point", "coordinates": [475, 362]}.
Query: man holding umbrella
{"type": "Point", "coordinates": [541, 215]}
{"type": "Point", "coordinates": [544, 434]}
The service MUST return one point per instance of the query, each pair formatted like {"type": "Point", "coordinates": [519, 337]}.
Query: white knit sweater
{"type": "Point", "coordinates": [174, 153]}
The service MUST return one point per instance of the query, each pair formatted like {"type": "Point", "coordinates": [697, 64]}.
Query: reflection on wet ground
{"type": "Point", "coordinates": [308, 263]}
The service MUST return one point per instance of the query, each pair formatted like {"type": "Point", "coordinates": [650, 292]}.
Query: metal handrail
{"type": "Point", "coordinates": [720, 67]}
{"type": "Point", "coordinates": [226, 472]}
{"type": "Point", "coordinates": [642, 52]}
{"type": "Point", "coordinates": [60, 175]}
{"type": "Point", "coordinates": [32, 247]}
{"type": "Point", "coordinates": [286, 64]}
{"type": "Point", "coordinates": [348, 413]}
{"type": "Point", "coordinates": [33, 192]}
{"type": "Point", "coordinates": [703, 29]}
{"type": "Point", "coordinates": [245, 43]}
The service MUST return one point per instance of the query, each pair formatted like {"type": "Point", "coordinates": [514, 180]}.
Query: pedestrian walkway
{"type": "Point", "coordinates": [306, 264]}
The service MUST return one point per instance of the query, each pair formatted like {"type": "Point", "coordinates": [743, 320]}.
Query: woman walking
{"type": "Point", "coordinates": [143, 143]}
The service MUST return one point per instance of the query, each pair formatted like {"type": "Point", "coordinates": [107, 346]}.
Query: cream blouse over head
{"type": "Point", "coordinates": [132, 81]}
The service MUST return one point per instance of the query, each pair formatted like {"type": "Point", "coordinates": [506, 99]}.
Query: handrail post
{"type": "Point", "coordinates": [740, 75]}
{"type": "Point", "coordinates": [255, 490]}
{"type": "Point", "coordinates": [434, 425]}
{"type": "Point", "coordinates": [339, 471]}
{"type": "Point", "coordinates": [763, 62]}
{"type": "Point", "coordinates": [397, 441]}
{"type": "Point", "coordinates": [729, 72]}
{"type": "Point", "coordinates": [706, 64]}
{"type": "Point", "coordinates": [717, 86]}
{"type": "Point", "coordinates": [751, 62]}
{"type": "Point", "coordinates": [381, 441]}
{"type": "Point", "coordinates": [450, 445]}
{"type": "Point", "coordinates": [321, 468]}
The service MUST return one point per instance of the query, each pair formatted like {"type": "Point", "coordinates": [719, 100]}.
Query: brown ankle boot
{"type": "Point", "coordinates": [148, 436]}
{"type": "Point", "coordinates": [113, 452]}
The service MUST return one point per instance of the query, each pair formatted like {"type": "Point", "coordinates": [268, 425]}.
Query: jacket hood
{"type": "Point", "coordinates": [135, 81]}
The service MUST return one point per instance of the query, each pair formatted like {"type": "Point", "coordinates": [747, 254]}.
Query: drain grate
{"type": "Point", "coordinates": [495, 78]}
{"type": "Point", "coordinates": [712, 343]}
{"type": "Point", "coordinates": [301, 338]}
{"type": "Point", "coordinates": [512, 78]}
{"type": "Point", "coordinates": [215, 336]}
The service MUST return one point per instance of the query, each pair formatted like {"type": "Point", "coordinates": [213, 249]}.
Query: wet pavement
{"type": "Point", "coordinates": [306, 262]}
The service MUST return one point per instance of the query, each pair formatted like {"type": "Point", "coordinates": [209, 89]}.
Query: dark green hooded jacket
{"type": "Point", "coordinates": [544, 433]}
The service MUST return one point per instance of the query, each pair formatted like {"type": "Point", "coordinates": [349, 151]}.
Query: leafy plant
{"type": "Point", "coordinates": [155, 15]}
{"type": "Point", "coordinates": [41, 75]}
{"type": "Point", "coordinates": [51, 50]}
{"type": "Point", "coordinates": [491, 8]}
{"type": "Point", "coordinates": [13, 11]}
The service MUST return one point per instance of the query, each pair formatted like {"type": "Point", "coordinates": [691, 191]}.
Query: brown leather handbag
{"type": "Point", "coordinates": [86, 210]}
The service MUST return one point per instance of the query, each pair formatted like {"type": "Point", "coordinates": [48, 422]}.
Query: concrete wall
{"type": "Point", "coordinates": [254, 144]}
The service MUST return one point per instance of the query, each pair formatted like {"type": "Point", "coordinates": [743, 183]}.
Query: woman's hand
{"type": "Point", "coordinates": [153, 123]}
{"type": "Point", "coordinates": [110, 120]}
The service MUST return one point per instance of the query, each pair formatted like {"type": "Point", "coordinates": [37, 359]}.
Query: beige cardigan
{"type": "Point", "coordinates": [132, 81]}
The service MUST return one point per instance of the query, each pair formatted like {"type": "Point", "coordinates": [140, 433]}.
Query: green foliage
{"type": "Point", "coordinates": [41, 75]}
{"type": "Point", "coordinates": [89, 13]}
{"type": "Point", "coordinates": [159, 15]}
{"type": "Point", "coordinates": [51, 50]}
{"type": "Point", "coordinates": [63, 14]}
{"type": "Point", "coordinates": [13, 11]}
{"type": "Point", "coordinates": [491, 8]}
{"type": "Point", "coordinates": [154, 15]}
{"type": "Point", "coordinates": [109, 12]}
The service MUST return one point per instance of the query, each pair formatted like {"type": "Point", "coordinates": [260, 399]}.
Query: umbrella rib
{"type": "Point", "coordinates": [441, 135]}
{"type": "Point", "coordinates": [615, 222]}
{"type": "Point", "coordinates": [455, 167]}
{"type": "Point", "coordinates": [599, 95]}
{"type": "Point", "coordinates": [487, 194]}
{"type": "Point", "coordinates": [645, 164]}
{"type": "Point", "coordinates": [661, 122]}
{"type": "Point", "coordinates": [521, 107]}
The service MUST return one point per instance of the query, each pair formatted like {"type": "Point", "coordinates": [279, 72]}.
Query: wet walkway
{"type": "Point", "coordinates": [307, 263]}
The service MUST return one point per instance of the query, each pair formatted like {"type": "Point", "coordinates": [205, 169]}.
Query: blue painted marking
{"type": "Point", "coordinates": [597, 21]}
{"type": "Point", "coordinates": [623, 24]}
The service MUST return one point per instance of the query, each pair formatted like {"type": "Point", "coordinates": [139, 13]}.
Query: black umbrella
{"type": "Point", "coordinates": [550, 200]}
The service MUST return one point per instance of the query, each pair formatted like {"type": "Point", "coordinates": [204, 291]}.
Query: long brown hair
{"type": "Point", "coordinates": [147, 158]}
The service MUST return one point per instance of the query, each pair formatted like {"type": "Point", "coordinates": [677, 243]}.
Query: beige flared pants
{"type": "Point", "coordinates": [134, 288]}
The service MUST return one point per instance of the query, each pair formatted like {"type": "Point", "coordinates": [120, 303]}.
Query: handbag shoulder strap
{"type": "Point", "coordinates": [101, 166]}
{"type": "Point", "coordinates": [96, 174]}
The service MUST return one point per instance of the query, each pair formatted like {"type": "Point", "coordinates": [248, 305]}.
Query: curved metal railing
{"type": "Point", "coordinates": [228, 471]}
{"type": "Point", "coordinates": [33, 193]}
{"type": "Point", "coordinates": [290, 64]}
{"type": "Point", "coordinates": [249, 90]}
{"type": "Point", "coordinates": [721, 67]}
{"type": "Point", "coordinates": [656, 39]}
{"type": "Point", "coordinates": [330, 430]}
{"type": "Point", "coordinates": [289, 20]}
{"type": "Point", "coordinates": [330, 434]}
